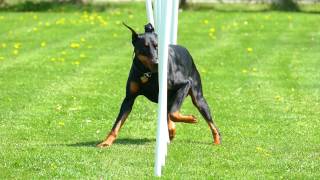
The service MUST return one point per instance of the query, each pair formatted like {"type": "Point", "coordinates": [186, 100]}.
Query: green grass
{"type": "Point", "coordinates": [260, 74]}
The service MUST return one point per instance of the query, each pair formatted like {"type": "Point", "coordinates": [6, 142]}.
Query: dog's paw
{"type": "Point", "coordinates": [104, 144]}
{"type": "Point", "coordinates": [193, 119]}
{"type": "Point", "coordinates": [217, 139]}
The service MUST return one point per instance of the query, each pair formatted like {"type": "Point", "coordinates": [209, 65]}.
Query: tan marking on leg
{"type": "Point", "coordinates": [111, 137]}
{"type": "Point", "coordinates": [171, 129]}
{"type": "Point", "coordinates": [177, 117]}
{"type": "Point", "coordinates": [215, 134]}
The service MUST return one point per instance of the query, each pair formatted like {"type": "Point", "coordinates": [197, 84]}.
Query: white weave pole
{"type": "Point", "coordinates": [166, 20]}
{"type": "Point", "coordinates": [174, 22]}
{"type": "Point", "coordinates": [163, 42]}
{"type": "Point", "coordinates": [150, 12]}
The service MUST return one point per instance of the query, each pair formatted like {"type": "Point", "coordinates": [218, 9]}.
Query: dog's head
{"type": "Point", "coordinates": [146, 46]}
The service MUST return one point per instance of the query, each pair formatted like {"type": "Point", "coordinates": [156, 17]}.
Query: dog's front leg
{"type": "Point", "coordinates": [125, 110]}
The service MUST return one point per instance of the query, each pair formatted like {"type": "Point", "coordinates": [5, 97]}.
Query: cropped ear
{"type": "Point", "coordinates": [148, 28]}
{"type": "Point", "coordinates": [134, 34]}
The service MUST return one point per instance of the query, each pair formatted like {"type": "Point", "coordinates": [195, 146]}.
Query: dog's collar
{"type": "Point", "coordinates": [141, 68]}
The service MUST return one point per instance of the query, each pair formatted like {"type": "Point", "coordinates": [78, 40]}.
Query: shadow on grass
{"type": "Point", "coordinates": [124, 141]}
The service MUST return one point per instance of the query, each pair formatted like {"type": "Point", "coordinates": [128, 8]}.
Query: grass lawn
{"type": "Point", "coordinates": [63, 76]}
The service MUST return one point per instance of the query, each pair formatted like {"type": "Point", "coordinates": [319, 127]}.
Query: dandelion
{"type": "Point", "coordinates": [59, 107]}
{"type": "Point", "coordinates": [75, 45]}
{"type": "Point", "coordinates": [43, 44]}
{"type": "Point", "coordinates": [17, 45]}
{"type": "Point", "coordinates": [35, 29]}
{"type": "Point", "coordinates": [61, 123]}
{"type": "Point", "coordinates": [254, 69]}
{"type": "Point", "coordinates": [289, 18]}
{"type": "Point", "coordinates": [61, 59]}
{"type": "Point", "coordinates": [249, 49]}
{"type": "Point", "coordinates": [61, 21]}
{"type": "Point", "coordinates": [244, 71]}
{"type": "Point", "coordinates": [35, 17]}
{"type": "Point", "coordinates": [53, 59]}
{"type": "Point", "coordinates": [278, 98]}
{"type": "Point", "coordinates": [47, 24]}
{"type": "Point", "coordinates": [15, 52]}
{"type": "Point", "coordinates": [76, 62]}
{"type": "Point", "coordinates": [267, 17]}
{"type": "Point", "coordinates": [212, 30]}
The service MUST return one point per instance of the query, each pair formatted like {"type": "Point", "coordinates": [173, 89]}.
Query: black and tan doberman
{"type": "Point", "coordinates": [183, 80]}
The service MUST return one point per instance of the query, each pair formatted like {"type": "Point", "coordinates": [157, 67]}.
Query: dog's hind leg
{"type": "Point", "coordinates": [200, 102]}
{"type": "Point", "coordinates": [171, 128]}
{"type": "Point", "coordinates": [175, 102]}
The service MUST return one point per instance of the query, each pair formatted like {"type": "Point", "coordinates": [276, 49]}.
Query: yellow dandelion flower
{"type": "Point", "coordinates": [76, 62]}
{"type": "Point", "coordinates": [61, 21]}
{"type": "Point", "coordinates": [103, 23]}
{"type": "Point", "coordinates": [34, 29]}
{"type": "Point", "coordinates": [289, 18]}
{"type": "Point", "coordinates": [61, 123]}
{"type": "Point", "coordinates": [244, 71]}
{"type": "Point", "coordinates": [205, 21]}
{"type": "Point", "coordinates": [61, 59]}
{"type": "Point", "coordinates": [48, 24]}
{"type": "Point", "coordinates": [15, 52]}
{"type": "Point", "coordinates": [17, 45]}
{"type": "Point", "coordinates": [35, 17]}
{"type": "Point", "coordinates": [59, 107]}
{"type": "Point", "coordinates": [254, 69]}
{"type": "Point", "coordinates": [278, 98]}
{"type": "Point", "coordinates": [249, 49]}
{"type": "Point", "coordinates": [75, 45]}
{"type": "Point", "coordinates": [43, 44]}
{"type": "Point", "coordinates": [53, 59]}
{"type": "Point", "coordinates": [212, 30]}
